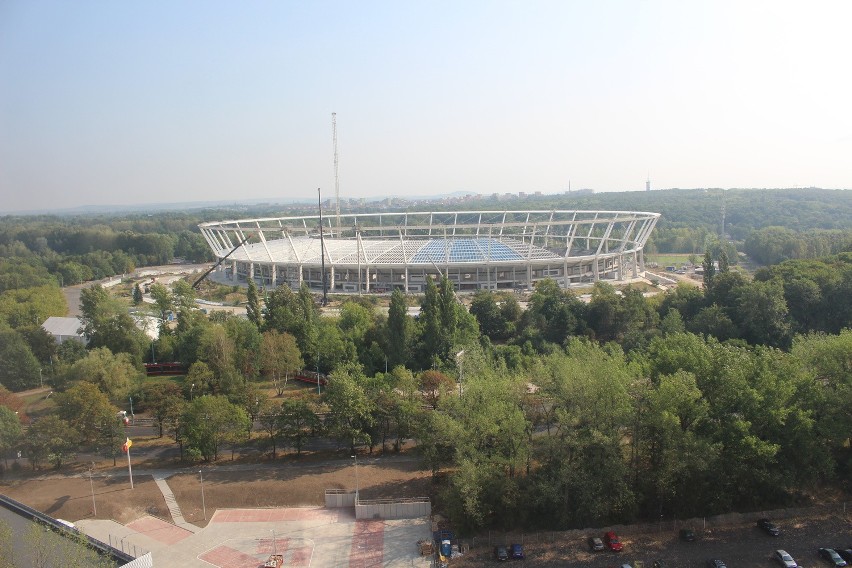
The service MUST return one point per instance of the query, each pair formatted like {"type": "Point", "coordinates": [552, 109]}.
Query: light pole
{"type": "Point", "coordinates": [92, 483]}
{"type": "Point", "coordinates": [460, 363]}
{"type": "Point", "coordinates": [190, 391]}
{"type": "Point", "coordinates": [356, 478]}
{"type": "Point", "coordinates": [203, 504]}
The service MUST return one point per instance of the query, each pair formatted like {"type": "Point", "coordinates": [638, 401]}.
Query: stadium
{"type": "Point", "coordinates": [476, 250]}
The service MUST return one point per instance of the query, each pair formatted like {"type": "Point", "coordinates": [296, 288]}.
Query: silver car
{"type": "Point", "coordinates": [785, 559]}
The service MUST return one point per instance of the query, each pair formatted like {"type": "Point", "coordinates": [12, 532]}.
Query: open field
{"type": "Point", "coordinates": [68, 494]}
{"type": "Point", "coordinates": [295, 485]}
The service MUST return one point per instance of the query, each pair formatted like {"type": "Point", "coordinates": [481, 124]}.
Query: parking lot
{"type": "Point", "coordinates": [738, 545]}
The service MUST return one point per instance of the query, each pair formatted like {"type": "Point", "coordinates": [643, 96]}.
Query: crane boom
{"type": "Point", "coordinates": [221, 260]}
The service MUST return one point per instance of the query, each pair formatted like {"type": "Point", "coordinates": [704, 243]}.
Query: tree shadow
{"type": "Point", "coordinates": [60, 502]}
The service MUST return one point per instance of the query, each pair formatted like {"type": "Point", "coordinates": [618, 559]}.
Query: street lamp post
{"type": "Point", "coordinates": [203, 504]}
{"type": "Point", "coordinates": [460, 363]}
{"type": "Point", "coordinates": [356, 478]}
{"type": "Point", "coordinates": [190, 391]}
{"type": "Point", "coordinates": [92, 483]}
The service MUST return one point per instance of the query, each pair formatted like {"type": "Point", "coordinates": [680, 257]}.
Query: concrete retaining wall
{"type": "Point", "coordinates": [393, 510]}
{"type": "Point", "coordinates": [336, 498]}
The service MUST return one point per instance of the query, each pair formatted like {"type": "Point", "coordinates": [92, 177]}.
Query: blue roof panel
{"type": "Point", "coordinates": [464, 250]}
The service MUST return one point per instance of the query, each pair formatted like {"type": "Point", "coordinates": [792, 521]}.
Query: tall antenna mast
{"type": "Point", "coordinates": [322, 252]}
{"type": "Point", "coordinates": [336, 176]}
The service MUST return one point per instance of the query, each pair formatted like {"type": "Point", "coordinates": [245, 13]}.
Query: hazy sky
{"type": "Point", "coordinates": [120, 102]}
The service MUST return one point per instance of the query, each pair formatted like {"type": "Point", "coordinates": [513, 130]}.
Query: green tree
{"type": "Point", "coordinates": [398, 330]}
{"type": "Point", "coordinates": [489, 448]}
{"type": "Point", "coordinates": [10, 431]}
{"type": "Point", "coordinates": [50, 439]}
{"type": "Point", "coordinates": [88, 410]}
{"type": "Point", "coordinates": [165, 402]}
{"type": "Point", "coordinates": [164, 301]}
{"type": "Point", "coordinates": [115, 375]}
{"type": "Point", "coordinates": [19, 369]}
{"type": "Point", "coordinates": [298, 422]}
{"type": "Point", "coordinates": [709, 270]}
{"type": "Point", "coordinates": [42, 344]}
{"type": "Point", "coordinates": [253, 304]}
{"type": "Point", "coordinates": [105, 323]}
{"type": "Point", "coordinates": [350, 410]}
{"type": "Point", "coordinates": [762, 314]}
{"type": "Point", "coordinates": [279, 356]}
{"type": "Point", "coordinates": [211, 421]}
{"type": "Point", "coordinates": [137, 294]}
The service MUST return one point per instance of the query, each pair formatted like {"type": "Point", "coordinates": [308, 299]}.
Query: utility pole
{"type": "Point", "coordinates": [336, 176]}
{"type": "Point", "coordinates": [322, 252]}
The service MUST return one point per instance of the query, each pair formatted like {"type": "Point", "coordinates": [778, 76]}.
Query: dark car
{"type": "Point", "coordinates": [832, 557]}
{"type": "Point", "coordinates": [595, 544]}
{"type": "Point", "coordinates": [613, 542]}
{"type": "Point", "coordinates": [687, 535]}
{"type": "Point", "coordinates": [715, 563]}
{"type": "Point", "coordinates": [659, 564]}
{"type": "Point", "coordinates": [845, 554]}
{"type": "Point", "coordinates": [517, 552]}
{"type": "Point", "coordinates": [768, 527]}
{"type": "Point", "coordinates": [501, 553]}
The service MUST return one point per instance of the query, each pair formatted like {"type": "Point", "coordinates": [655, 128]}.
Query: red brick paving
{"type": "Point", "coordinates": [273, 515]}
{"type": "Point", "coordinates": [227, 557]}
{"type": "Point", "coordinates": [367, 543]}
{"type": "Point", "coordinates": [293, 555]}
{"type": "Point", "coordinates": [159, 530]}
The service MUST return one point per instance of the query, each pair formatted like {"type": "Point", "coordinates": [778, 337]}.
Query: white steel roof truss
{"type": "Point", "coordinates": [605, 236]}
{"type": "Point", "coordinates": [532, 240]}
{"type": "Point", "coordinates": [293, 248]}
{"type": "Point", "coordinates": [627, 234]}
{"type": "Point", "coordinates": [243, 241]}
{"type": "Point", "coordinates": [263, 240]}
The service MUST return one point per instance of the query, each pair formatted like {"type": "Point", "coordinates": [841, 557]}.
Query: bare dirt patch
{"type": "Point", "coordinates": [294, 486]}
{"type": "Point", "coordinates": [70, 498]}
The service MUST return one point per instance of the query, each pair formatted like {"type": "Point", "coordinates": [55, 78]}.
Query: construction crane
{"type": "Point", "coordinates": [336, 176]}
{"type": "Point", "coordinates": [221, 260]}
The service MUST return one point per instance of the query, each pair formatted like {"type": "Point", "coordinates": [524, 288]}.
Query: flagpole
{"type": "Point", "coordinates": [129, 469]}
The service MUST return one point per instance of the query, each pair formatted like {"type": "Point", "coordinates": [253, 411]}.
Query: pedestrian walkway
{"type": "Point", "coordinates": [171, 502]}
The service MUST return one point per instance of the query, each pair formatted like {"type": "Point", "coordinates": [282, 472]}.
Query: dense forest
{"type": "Point", "coordinates": [556, 413]}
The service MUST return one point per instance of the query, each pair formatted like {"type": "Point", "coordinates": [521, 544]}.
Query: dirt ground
{"type": "Point", "coordinates": [739, 544]}
{"type": "Point", "coordinates": [70, 498]}
{"type": "Point", "coordinates": [292, 486]}
{"type": "Point", "coordinates": [67, 494]}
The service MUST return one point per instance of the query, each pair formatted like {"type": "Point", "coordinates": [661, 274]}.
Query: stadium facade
{"type": "Point", "coordinates": [476, 250]}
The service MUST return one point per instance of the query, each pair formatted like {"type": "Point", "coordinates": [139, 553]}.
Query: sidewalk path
{"type": "Point", "coordinates": [171, 502]}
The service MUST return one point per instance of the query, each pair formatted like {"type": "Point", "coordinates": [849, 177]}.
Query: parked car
{"type": "Point", "coordinates": [784, 559]}
{"type": "Point", "coordinates": [517, 552]}
{"type": "Point", "coordinates": [595, 544]}
{"type": "Point", "coordinates": [501, 553]}
{"type": "Point", "coordinates": [613, 542]}
{"type": "Point", "coordinates": [832, 557]}
{"type": "Point", "coordinates": [687, 535]}
{"type": "Point", "coordinates": [715, 563]}
{"type": "Point", "coordinates": [768, 527]}
{"type": "Point", "coordinates": [659, 564]}
{"type": "Point", "coordinates": [845, 554]}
